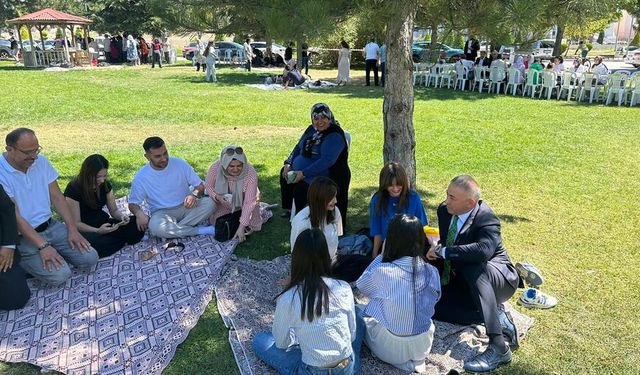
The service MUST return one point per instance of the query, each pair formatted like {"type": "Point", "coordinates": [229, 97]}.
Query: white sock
{"type": "Point", "coordinates": [206, 230]}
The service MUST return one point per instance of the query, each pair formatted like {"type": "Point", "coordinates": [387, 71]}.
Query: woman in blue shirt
{"type": "Point", "coordinates": [321, 151]}
{"type": "Point", "coordinates": [393, 197]}
{"type": "Point", "coordinates": [403, 290]}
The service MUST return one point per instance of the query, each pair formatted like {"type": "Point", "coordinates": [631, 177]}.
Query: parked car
{"type": "Point", "coordinates": [48, 44]}
{"type": "Point", "coordinates": [633, 56]}
{"type": "Point", "coordinates": [275, 48]}
{"type": "Point", "coordinates": [540, 48]}
{"type": "Point", "coordinates": [189, 50]}
{"type": "Point", "coordinates": [5, 49]}
{"type": "Point", "coordinates": [418, 50]}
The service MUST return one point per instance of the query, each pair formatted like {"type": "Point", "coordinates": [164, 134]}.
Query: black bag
{"type": "Point", "coordinates": [227, 226]}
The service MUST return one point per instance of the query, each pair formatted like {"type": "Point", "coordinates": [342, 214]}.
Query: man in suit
{"type": "Point", "coordinates": [471, 48]}
{"type": "Point", "coordinates": [477, 274]}
{"type": "Point", "coordinates": [14, 292]}
{"type": "Point", "coordinates": [483, 60]}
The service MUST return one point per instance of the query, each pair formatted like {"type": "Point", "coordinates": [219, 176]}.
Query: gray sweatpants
{"type": "Point", "coordinates": [179, 221]}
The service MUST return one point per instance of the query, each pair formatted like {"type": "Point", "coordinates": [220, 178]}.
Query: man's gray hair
{"type": "Point", "coordinates": [468, 184]}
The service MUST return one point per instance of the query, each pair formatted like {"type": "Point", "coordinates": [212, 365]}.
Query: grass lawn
{"type": "Point", "coordinates": [562, 177]}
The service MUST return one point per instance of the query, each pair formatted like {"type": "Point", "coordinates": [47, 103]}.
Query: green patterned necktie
{"type": "Point", "coordinates": [451, 238]}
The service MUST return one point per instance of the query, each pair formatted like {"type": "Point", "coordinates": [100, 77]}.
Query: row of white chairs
{"type": "Point", "coordinates": [622, 85]}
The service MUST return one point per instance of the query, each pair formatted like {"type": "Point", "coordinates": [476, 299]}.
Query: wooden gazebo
{"type": "Point", "coordinates": [50, 17]}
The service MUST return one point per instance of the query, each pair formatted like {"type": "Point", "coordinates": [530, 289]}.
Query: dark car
{"type": "Point", "coordinates": [421, 48]}
{"type": "Point", "coordinates": [5, 49]}
{"type": "Point", "coordinates": [230, 51]}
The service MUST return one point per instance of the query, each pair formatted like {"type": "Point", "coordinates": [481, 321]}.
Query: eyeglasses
{"type": "Point", "coordinates": [35, 152]}
{"type": "Point", "coordinates": [231, 151]}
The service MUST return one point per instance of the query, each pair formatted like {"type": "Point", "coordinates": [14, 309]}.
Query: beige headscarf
{"type": "Point", "coordinates": [223, 178]}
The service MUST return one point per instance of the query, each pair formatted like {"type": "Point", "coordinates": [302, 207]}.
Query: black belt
{"type": "Point", "coordinates": [42, 227]}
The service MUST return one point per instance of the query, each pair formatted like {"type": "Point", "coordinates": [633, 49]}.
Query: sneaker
{"type": "Point", "coordinates": [535, 299]}
{"type": "Point", "coordinates": [529, 274]}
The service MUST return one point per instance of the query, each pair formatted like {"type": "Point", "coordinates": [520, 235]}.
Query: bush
{"type": "Point", "coordinates": [589, 46]}
{"type": "Point", "coordinates": [563, 48]}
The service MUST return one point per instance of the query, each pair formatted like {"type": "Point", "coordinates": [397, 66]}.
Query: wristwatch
{"type": "Point", "coordinates": [44, 246]}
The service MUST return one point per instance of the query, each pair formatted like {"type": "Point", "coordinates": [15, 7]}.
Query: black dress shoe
{"type": "Point", "coordinates": [488, 361]}
{"type": "Point", "coordinates": [509, 329]}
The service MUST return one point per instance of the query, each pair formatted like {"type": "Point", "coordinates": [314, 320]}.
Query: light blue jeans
{"type": "Point", "coordinates": [289, 362]}
{"type": "Point", "coordinates": [56, 235]}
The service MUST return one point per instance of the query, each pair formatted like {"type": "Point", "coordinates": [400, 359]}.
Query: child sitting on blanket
{"type": "Point", "coordinates": [315, 312]}
{"type": "Point", "coordinates": [403, 290]}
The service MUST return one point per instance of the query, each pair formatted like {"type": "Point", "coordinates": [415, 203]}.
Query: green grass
{"type": "Point", "coordinates": [562, 176]}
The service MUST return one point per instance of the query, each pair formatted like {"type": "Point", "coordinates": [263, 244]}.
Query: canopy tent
{"type": "Point", "coordinates": [40, 20]}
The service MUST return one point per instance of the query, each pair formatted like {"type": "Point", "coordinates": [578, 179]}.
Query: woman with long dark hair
{"type": "Point", "coordinates": [321, 213]}
{"type": "Point", "coordinates": [86, 195]}
{"type": "Point", "coordinates": [393, 197]}
{"type": "Point", "coordinates": [403, 290]}
{"type": "Point", "coordinates": [321, 313]}
{"type": "Point", "coordinates": [322, 150]}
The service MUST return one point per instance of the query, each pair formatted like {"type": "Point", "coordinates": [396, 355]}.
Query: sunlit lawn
{"type": "Point", "coordinates": [562, 176]}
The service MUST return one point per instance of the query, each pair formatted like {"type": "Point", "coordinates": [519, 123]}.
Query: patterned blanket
{"type": "Point", "coordinates": [126, 317]}
{"type": "Point", "coordinates": [245, 300]}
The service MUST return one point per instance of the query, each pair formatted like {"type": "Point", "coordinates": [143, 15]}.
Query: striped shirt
{"type": "Point", "coordinates": [328, 338]}
{"type": "Point", "coordinates": [389, 286]}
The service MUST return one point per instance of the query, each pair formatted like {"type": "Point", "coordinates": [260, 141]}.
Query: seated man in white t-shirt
{"type": "Point", "coordinates": [46, 246]}
{"type": "Point", "coordinates": [173, 191]}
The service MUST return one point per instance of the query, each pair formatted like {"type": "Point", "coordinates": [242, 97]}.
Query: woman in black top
{"type": "Point", "coordinates": [86, 195]}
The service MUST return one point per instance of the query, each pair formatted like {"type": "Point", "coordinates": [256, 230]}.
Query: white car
{"type": "Point", "coordinates": [633, 56]}
{"type": "Point", "coordinates": [275, 48]}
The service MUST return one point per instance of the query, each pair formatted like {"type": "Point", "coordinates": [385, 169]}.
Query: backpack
{"type": "Point", "coordinates": [14, 43]}
{"type": "Point", "coordinates": [355, 244]}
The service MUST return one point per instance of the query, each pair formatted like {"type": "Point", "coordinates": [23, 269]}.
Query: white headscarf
{"type": "Point", "coordinates": [223, 178]}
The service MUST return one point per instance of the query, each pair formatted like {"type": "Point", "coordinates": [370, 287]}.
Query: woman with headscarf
{"type": "Point", "coordinates": [518, 63]}
{"type": "Point", "coordinates": [232, 183]}
{"type": "Point", "coordinates": [132, 51]}
{"type": "Point", "coordinates": [323, 150]}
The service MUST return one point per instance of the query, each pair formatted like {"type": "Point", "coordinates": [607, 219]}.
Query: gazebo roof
{"type": "Point", "coordinates": [49, 16]}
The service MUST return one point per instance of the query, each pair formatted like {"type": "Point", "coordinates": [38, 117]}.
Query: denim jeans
{"type": "Point", "coordinates": [289, 362]}
{"type": "Point", "coordinates": [56, 235]}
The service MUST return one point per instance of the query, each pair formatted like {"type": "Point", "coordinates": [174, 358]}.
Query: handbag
{"type": "Point", "coordinates": [227, 226]}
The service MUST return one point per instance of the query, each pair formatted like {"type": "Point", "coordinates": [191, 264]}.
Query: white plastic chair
{"type": "Point", "coordinates": [462, 76]}
{"type": "Point", "coordinates": [479, 77]}
{"type": "Point", "coordinates": [514, 80]}
{"type": "Point", "coordinates": [496, 78]}
{"type": "Point", "coordinates": [448, 73]}
{"type": "Point", "coordinates": [420, 72]}
{"type": "Point", "coordinates": [568, 83]}
{"type": "Point", "coordinates": [531, 82]}
{"type": "Point", "coordinates": [589, 84]}
{"type": "Point", "coordinates": [635, 91]}
{"type": "Point", "coordinates": [434, 75]}
{"type": "Point", "coordinates": [548, 83]}
{"type": "Point", "coordinates": [616, 88]}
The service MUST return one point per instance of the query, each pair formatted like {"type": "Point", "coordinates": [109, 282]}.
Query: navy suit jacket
{"type": "Point", "coordinates": [479, 241]}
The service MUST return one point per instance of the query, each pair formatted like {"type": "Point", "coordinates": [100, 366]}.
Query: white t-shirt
{"type": "Point", "coordinates": [163, 188]}
{"type": "Point", "coordinates": [331, 231]}
{"type": "Point", "coordinates": [30, 190]}
{"type": "Point", "coordinates": [371, 51]}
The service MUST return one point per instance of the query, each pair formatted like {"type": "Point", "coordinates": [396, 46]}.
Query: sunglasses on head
{"type": "Point", "coordinates": [317, 116]}
{"type": "Point", "coordinates": [231, 151]}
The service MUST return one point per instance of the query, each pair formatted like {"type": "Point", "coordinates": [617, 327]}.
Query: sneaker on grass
{"type": "Point", "coordinates": [529, 274]}
{"type": "Point", "coordinates": [535, 299]}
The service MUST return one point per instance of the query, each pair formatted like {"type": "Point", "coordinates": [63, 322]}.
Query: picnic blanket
{"type": "Point", "coordinates": [278, 86]}
{"type": "Point", "coordinates": [125, 317]}
{"type": "Point", "coordinates": [245, 296]}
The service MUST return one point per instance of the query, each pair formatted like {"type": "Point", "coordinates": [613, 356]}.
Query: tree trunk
{"type": "Point", "coordinates": [557, 46]}
{"type": "Point", "coordinates": [433, 47]}
{"type": "Point", "coordinates": [399, 135]}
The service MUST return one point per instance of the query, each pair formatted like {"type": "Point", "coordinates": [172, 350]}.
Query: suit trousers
{"type": "Point", "coordinates": [370, 65]}
{"type": "Point", "coordinates": [14, 292]}
{"type": "Point", "coordinates": [472, 296]}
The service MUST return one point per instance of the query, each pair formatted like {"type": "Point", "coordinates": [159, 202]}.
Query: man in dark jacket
{"type": "Point", "coordinates": [477, 274]}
